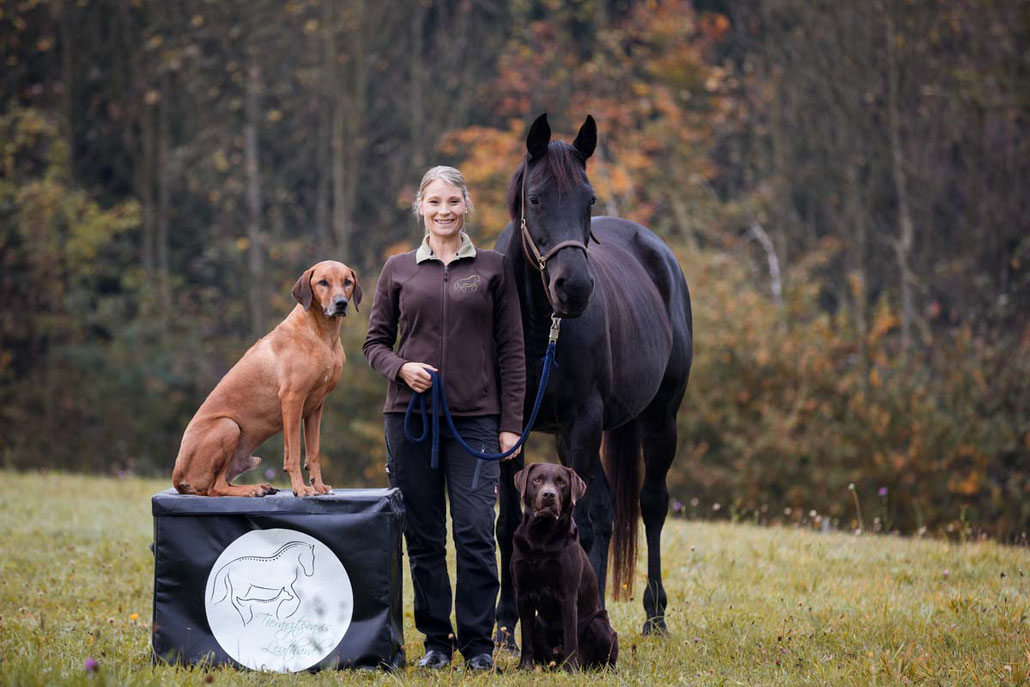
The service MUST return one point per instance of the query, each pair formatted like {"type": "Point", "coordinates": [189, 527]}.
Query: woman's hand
{"type": "Point", "coordinates": [507, 440]}
{"type": "Point", "coordinates": [416, 377]}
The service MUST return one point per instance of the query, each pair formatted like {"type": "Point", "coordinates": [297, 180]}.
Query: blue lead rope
{"type": "Point", "coordinates": [440, 405]}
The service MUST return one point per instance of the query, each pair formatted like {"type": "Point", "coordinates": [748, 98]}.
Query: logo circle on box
{"type": "Point", "coordinates": [278, 600]}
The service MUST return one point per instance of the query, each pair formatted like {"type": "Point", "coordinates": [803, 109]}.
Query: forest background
{"type": "Point", "coordinates": [847, 185]}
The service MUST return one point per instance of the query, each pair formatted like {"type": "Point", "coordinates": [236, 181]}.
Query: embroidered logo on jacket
{"type": "Point", "coordinates": [467, 285]}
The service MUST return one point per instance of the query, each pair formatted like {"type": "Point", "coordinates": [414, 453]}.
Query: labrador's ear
{"type": "Point", "coordinates": [579, 487]}
{"type": "Point", "coordinates": [302, 289]}
{"type": "Point", "coordinates": [356, 295]}
{"type": "Point", "coordinates": [522, 479]}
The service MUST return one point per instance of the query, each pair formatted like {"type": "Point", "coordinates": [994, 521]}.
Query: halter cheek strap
{"type": "Point", "coordinates": [529, 248]}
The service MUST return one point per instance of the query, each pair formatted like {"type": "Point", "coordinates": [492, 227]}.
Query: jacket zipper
{"type": "Point", "coordinates": [444, 328]}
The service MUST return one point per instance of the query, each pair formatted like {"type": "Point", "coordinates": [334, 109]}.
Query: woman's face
{"type": "Point", "coordinates": [443, 209]}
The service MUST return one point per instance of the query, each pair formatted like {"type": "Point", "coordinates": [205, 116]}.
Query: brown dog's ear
{"type": "Point", "coordinates": [522, 478]}
{"type": "Point", "coordinates": [356, 295]}
{"type": "Point", "coordinates": [302, 289]}
{"type": "Point", "coordinates": [578, 488]}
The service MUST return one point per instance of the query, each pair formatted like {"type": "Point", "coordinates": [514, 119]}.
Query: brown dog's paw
{"type": "Point", "coordinates": [304, 491]}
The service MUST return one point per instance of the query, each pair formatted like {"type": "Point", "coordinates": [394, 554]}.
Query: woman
{"type": "Point", "coordinates": [456, 311]}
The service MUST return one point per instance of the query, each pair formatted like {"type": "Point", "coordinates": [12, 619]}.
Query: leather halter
{"type": "Point", "coordinates": [529, 249]}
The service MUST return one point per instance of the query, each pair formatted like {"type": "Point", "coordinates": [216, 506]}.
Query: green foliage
{"type": "Point", "coordinates": [754, 606]}
{"type": "Point", "coordinates": [787, 407]}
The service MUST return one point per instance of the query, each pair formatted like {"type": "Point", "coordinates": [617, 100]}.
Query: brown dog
{"type": "Point", "coordinates": [561, 617]}
{"type": "Point", "coordinates": [281, 380]}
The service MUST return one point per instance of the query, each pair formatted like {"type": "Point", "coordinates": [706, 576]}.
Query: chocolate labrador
{"type": "Point", "coordinates": [562, 619]}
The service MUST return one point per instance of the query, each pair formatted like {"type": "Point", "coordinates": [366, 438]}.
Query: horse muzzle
{"type": "Point", "coordinates": [570, 295]}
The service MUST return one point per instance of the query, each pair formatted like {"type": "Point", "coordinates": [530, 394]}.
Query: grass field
{"type": "Point", "coordinates": [747, 605]}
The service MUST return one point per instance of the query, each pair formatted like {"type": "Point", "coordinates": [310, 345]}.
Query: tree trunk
{"type": "Point", "coordinates": [417, 124]}
{"type": "Point", "coordinates": [355, 146]}
{"type": "Point", "coordinates": [145, 188]}
{"type": "Point", "coordinates": [858, 221]}
{"type": "Point", "coordinates": [164, 195]}
{"type": "Point", "coordinates": [340, 229]}
{"type": "Point", "coordinates": [68, 77]}
{"type": "Point", "coordinates": [906, 227]}
{"type": "Point", "coordinates": [325, 114]}
{"type": "Point", "coordinates": [255, 267]}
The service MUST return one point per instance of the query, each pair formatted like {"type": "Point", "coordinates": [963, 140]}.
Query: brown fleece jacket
{"type": "Point", "coordinates": [464, 320]}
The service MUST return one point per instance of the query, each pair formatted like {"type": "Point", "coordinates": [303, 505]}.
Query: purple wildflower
{"type": "Point", "coordinates": [883, 491]}
{"type": "Point", "coordinates": [677, 506]}
{"type": "Point", "coordinates": [91, 665]}
{"type": "Point", "coordinates": [269, 474]}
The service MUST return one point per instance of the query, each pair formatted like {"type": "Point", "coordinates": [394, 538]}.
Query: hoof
{"type": "Point", "coordinates": [655, 627]}
{"type": "Point", "coordinates": [505, 642]}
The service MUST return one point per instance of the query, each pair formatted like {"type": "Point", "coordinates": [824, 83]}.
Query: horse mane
{"type": "Point", "coordinates": [287, 545]}
{"type": "Point", "coordinates": [563, 166]}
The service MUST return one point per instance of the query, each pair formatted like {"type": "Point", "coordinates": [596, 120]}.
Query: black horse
{"type": "Point", "coordinates": [623, 360]}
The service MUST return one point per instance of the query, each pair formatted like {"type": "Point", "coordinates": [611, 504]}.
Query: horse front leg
{"type": "Point", "coordinates": [508, 519]}
{"type": "Point", "coordinates": [599, 501]}
{"type": "Point", "coordinates": [579, 447]}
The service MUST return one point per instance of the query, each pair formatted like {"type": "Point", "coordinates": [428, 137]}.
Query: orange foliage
{"type": "Point", "coordinates": [654, 93]}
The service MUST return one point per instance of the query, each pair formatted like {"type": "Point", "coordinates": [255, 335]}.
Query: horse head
{"type": "Point", "coordinates": [550, 199]}
{"type": "Point", "coordinates": [307, 560]}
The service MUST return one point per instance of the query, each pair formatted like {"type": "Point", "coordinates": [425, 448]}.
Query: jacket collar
{"type": "Point", "coordinates": [424, 252]}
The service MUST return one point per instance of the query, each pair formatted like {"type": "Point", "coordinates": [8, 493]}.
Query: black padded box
{"type": "Point", "coordinates": [279, 583]}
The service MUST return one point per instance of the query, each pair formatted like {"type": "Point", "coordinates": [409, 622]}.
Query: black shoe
{"type": "Point", "coordinates": [434, 660]}
{"type": "Point", "coordinates": [481, 662]}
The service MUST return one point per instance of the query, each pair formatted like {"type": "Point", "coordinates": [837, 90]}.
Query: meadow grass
{"type": "Point", "coordinates": [747, 605]}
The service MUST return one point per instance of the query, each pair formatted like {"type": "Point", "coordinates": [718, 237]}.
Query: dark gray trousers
{"type": "Point", "coordinates": [425, 530]}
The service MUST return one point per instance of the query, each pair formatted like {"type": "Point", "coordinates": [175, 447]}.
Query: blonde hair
{"type": "Point", "coordinates": [448, 175]}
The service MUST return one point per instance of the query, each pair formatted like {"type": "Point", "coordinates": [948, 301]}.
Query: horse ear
{"type": "Point", "coordinates": [302, 289]}
{"type": "Point", "coordinates": [586, 139]}
{"type": "Point", "coordinates": [579, 487]}
{"type": "Point", "coordinates": [538, 137]}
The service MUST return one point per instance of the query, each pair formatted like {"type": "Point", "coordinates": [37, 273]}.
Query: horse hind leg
{"type": "Point", "coordinates": [659, 446]}
{"type": "Point", "coordinates": [244, 609]}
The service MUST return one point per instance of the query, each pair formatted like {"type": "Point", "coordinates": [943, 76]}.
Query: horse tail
{"type": "Point", "coordinates": [621, 451]}
{"type": "Point", "coordinates": [222, 576]}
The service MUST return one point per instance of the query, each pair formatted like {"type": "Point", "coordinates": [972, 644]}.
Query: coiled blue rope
{"type": "Point", "coordinates": [440, 406]}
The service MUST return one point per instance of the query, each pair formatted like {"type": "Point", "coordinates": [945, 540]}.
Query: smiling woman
{"type": "Point", "coordinates": [450, 308]}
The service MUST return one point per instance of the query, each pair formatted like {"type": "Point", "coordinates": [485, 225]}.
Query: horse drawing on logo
{"type": "Point", "coordinates": [467, 284]}
{"type": "Point", "coordinates": [265, 580]}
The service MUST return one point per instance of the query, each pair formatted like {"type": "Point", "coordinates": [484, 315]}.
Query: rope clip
{"type": "Point", "coordinates": [555, 326]}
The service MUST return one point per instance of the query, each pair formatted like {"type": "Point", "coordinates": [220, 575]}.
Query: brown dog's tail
{"type": "Point", "coordinates": [621, 451]}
